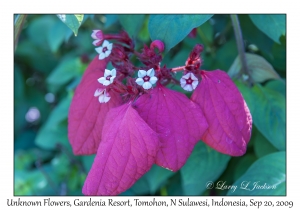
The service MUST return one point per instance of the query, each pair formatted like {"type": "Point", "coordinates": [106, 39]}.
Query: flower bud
{"type": "Point", "coordinates": [97, 34]}
{"type": "Point", "coordinates": [158, 44]}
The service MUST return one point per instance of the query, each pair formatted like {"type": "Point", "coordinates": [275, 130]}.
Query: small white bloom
{"type": "Point", "coordinates": [189, 82]}
{"type": "Point", "coordinates": [146, 78]}
{"type": "Point", "coordinates": [108, 78]}
{"type": "Point", "coordinates": [105, 50]}
{"type": "Point", "coordinates": [104, 97]}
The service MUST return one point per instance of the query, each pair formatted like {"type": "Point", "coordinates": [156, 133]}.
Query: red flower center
{"type": "Point", "coordinates": [189, 81]}
{"type": "Point", "coordinates": [104, 49]}
{"type": "Point", "coordinates": [146, 78]}
{"type": "Point", "coordinates": [108, 77]}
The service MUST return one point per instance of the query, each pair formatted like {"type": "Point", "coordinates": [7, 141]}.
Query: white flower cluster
{"type": "Point", "coordinates": [106, 80]}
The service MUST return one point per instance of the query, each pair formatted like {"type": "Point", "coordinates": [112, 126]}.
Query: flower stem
{"type": "Point", "coordinates": [240, 45]}
{"type": "Point", "coordinates": [176, 69]}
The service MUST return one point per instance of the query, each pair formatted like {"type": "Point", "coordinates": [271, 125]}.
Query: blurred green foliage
{"type": "Point", "coordinates": [49, 62]}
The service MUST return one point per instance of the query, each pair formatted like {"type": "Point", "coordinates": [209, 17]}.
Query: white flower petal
{"type": "Point", "coordinates": [141, 73]}
{"type": "Point", "coordinates": [101, 80]}
{"type": "Point", "coordinates": [107, 53]}
{"type": "Point", "coordinates": [147, 85]}
{"type": "Point", "coordinates": [98, 92]}
{"type": "Point", "coordinates": [153, 80]}
{"type": "Point", "coordinates": [188, 87]}
{"type": "Point", "coordinates": [106, 83]}
{"type": "Point", "coordinates": [96, 42]}
{"type": "Point", "coordinates": [99, 50]}
{"type": "Point", "coordinates": [105, 43]}
{"type": "Point", "coordinates": [101, 98]}
{"type": "Point", "coordinates": [150, 72]}
{"type": "Point", "coordinates": [182, 82]}
{"type": "Point", "coordinates": [101, 56]}
{"type": "Point", "coordinates": [107, 73]}
{"type": "Point", "coordinates": [112, 79]}
{"type": "Point", "coordinates": [106, 99]}
{"type": "Point", "coordinates": [194, 84]}
{"type": "Point", "coordinates": [187, 76]}
{"type": "Point", "coordinates": [94, 34]}
{"type": "Point", "coordinates": [139, 81]}
{"type": "Point", "coordinates": [113, 72]}
{"type": "Point", "coordinates": [109, 46]}
{"type": "Point", "coordinates": [193, 77]}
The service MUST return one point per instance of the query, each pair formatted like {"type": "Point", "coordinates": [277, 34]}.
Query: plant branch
{"type": "Point", "coordinates": [240, 45]}
{"type": "Point", "coordinates": [19, 22]}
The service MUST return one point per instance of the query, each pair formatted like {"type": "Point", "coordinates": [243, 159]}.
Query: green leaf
{"type": "Point", "coordinates": [38, 31]}
{"type": "Point", "coordinates": [243, 164]}
{"type": "Point", "coordinates": [272, 25]}
{"type": "Point", "coordinates": [277, 85]}
{"type": "Point", "coordinates": [29, 182]}
{"type": "Point", "coordinates": [262, 146]}
{"type": "Point", "coordinates": [171, 29]}
{"type": "Point", "coordinates": [224, 56]}
{"type": "Point", "coordinates": [72, 21]}
{"type": "Point", "coordinates": [259, 68]}
{"type": "Point", "coordinates": [266, 176]}
{"type": "Point", "coordinates": [268, 112]}
{"type": "Point", "coordinates": [204, 165]}
{"type": "Point", "coordinates": [110, 19]}
{"type": "Point", "coordinates": [18, 83]}
{"type": "Point", "coordinates": [54, 131]}
{"type": "Point", "coordinates": [65, 71]}
{"type": "Point", "coordinates": [151, 181]}
{"type": "Point", "coordinates": [255, 36]}
{"type": "Point", "coordinates": [132, 23]}
{"type": "Point", "coordinates": [87, 161]}
{"type": "Point", "coordinates": [19, 22]}
{"type": "Point", "coordinates": [57, 35]}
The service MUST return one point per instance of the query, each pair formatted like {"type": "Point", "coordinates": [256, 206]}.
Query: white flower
{"type": "Point", "coordinates": [108, 78]}
{"type": "Point", "coordinates": [189, 82]}
{"type": "Point", "coordinates": [104, 97]}
{"type": "Point", "coordinates": [146, 78]}
{"type": "Point", "coordinates": [98, 36]}
{"type": "Point", "coordinates": [105, 50]}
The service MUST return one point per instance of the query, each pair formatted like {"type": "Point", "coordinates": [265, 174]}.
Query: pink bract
{"type": "Point", "coordinates": [226, 111]}
{"type": "Point", "coordinates": [178, 121]}
{"type": "Point", "coordinates": [86, 114]}
{"type": "Point", "coordinates": [127, 151]}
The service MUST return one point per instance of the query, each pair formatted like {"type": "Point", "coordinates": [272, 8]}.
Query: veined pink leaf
{"type": "Point", "coordinates": [126, 152]}
{"type": "Point", "coordinates": [228, 116]}
{"type": "Point", "coordinates": [178, 121]}
{"type": "Point", "coordinates": [86, 114]}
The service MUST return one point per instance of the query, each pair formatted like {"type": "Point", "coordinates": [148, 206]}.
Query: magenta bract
{"type": "Point", "coordinates": [228, 116]}
{"type": "Point", "coordinates": [86, 114]}
{"type": "Point", "coordinates": [126, 152]}
{"type": "Point", "coordinates": [178, 121]}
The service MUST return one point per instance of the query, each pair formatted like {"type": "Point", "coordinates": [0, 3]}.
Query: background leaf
{"type": "Point", "coordinates": [132, 23]}
{"type": "Point", "coordinates": [272, 25]}
{"type": "Point", "coordinates": [204, 165]}
{"type": "Point", "coordinates": [65, 71]}
{"type": "Point", "coordinates": [268, 113]}
{"type": "Point", "coordinates": [262, 146]}
{"type": "Point", "coordinates": [267, 171]}
{"type": "Point", "coordinates": [171, 29]}
{"type": "Point", "coordinates": [56, 35]}
{"type": "Point", "coordinates": [54, 131]}
{"type": "Point", "coordinates": [260, 69]}
{"type": "Point", "coordinates": [72, 21]}
{"type": "Point", "coordinates": [151, 181]}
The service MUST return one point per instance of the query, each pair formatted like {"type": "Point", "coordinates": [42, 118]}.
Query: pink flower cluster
{"type": "Point", "coordinates": [130, 120]}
